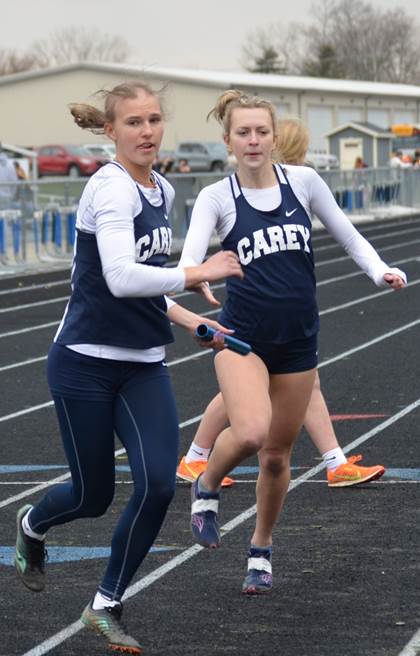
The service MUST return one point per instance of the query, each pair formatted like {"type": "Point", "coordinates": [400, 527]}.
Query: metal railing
{"type": "Point", "coordinates": [37, 220]}
{"type": "Point", "coordinates": [366, 190]}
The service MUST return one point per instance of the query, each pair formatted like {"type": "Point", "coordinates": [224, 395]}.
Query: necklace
{"type": "Point", "coordinates": [150, 182]}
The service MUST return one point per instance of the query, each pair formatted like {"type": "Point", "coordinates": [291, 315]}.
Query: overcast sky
{"type": "Point", "coordinates": [183, 33]}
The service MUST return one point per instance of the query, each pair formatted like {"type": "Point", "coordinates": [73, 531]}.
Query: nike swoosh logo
{"type": "Point", "coordinates": [292, 212]}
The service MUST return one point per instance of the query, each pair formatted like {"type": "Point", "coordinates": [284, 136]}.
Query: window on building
{"type": "Point", "coordinates": [404, 116]}
{"type": "Point", "coordinates": [320, 121]}
{"type": "Point", "coordinates": [379, 117]}
{"type": "Point", "coordinates": [349, 114]}
{"type": "Point", "coordinates": [282, 110]}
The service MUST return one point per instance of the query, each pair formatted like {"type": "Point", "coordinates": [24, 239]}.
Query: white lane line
{"type": "Point", "coordinates": [321, 283]}
{"type": "Point", "coordinates": [63, 477]}
{"type": "Point", "coordinates": [19, 413]}
{"type": "Point", "coordinates": [380, 250]}
{"type": "Point", "coordinates": [49, 301]}
{"type": "Point", "coordinates": [23, 363]}
{"type": "Point", "coordinates": [155, 575]}
{"type": "Point", "coordinates": [50, 324]}
{"type": "Point", "coordinates": [325, 363]}
{"type": "Point", "coordinates": [336, 308]}
{"type": "Point", "coordinates": [15, 308]}
{"type": "Point", "coordinates": [346, 276]}
{"type": "Point", "coordinates": [29, 288]}
{"type": "Point", "coordinates": [46, 285]}
{"type": "Point", "coordinates": [317, 237]}
{"type": "Point", "coordinates": [186, 358]}
{"type": "Point", "coordinates": [371, 342]}
{"type": "Point", "coordinates": [238, 481]}
{"type": "Point", "coordinates": [344, 306]}
{"type": "Point", "coordinates": [21, 331]}
{"type": "Point", "coordinates": [412, 648]}
{"type": "Point", "coordinates": [385, 235]}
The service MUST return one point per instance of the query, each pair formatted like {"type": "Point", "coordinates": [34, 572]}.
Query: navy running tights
{"type": "Point", "coordinates": [135, 401]}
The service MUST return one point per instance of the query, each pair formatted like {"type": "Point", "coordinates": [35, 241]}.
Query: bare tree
{"type": "Point", "coordinates": [13, 62]}
{"type": "Point", "coordinates": [72, 44]}
{"type": "Point", "coordinates": [369, 43]}
{"type": "Point", "coordinates": [76, 44]}
{"type": "Point", "coordinates": [350, 39]}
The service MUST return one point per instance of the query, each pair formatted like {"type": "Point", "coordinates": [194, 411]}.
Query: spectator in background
{"type": "Point", "coordinates": [24, 196]}
{"type": "Point", "coordinates": [20, 171]}
{"type": "Point", "coordinates": [360, 163]}
{"type": "Point", "coordinates": [416, 158]}
{"type": "Point", "coordinates": [397, 161]}
{"type": "Point", "coordinates": [183, 166]}
{"type": "Point", "coordinates": [164, 165]}
{"type": "Point", "coordinates": [8, 179]}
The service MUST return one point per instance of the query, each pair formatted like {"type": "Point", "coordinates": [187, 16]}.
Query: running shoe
{"type": "Point", "coordinates": [30, 556]}
{"type": "Point", "coordinates": [259, 579]}
{"type": "Point", "coordinates": [352, 474]}
{"type": "Point", "coordinates": [204, 524]}
{"type": "Point", "coordinates": [107, 622]}
{"type": "Point", "coordinates": [190, 471]}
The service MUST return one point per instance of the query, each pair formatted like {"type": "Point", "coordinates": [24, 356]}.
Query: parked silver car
{"type": "Point", "coordinates": [322, 161]}
{"type": "Point", "coordinates": [106, 150]}
{"type": "Point", "coordinates": [202, 155]}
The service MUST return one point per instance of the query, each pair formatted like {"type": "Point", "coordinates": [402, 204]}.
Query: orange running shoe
{"type": "Point", "coordinates": [352, 474]}
{"type": "Point", "coordinates": [190, 471]}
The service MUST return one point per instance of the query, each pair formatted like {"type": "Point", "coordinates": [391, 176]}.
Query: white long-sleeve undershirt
{"type": "Point", "coordinates": [215, 210]}
{"type": "Point", "coordinates": [108, 206]}
{"type": "Point", "coordinates": [109, 203]}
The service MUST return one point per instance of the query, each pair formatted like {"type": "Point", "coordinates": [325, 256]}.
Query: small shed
{"type": "Point", "coordinates": [352, 140]}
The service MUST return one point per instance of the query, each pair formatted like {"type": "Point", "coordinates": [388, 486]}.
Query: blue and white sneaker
{"type": "Point", "coordinates": [204, 524]}
{"type": "Point", "coordinates": [259, 579]}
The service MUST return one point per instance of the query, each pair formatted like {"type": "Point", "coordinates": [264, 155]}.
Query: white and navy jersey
{"type": "Point", "coordinates": [117, 278]}
{"type": "Point", "coordinates": [275, 301]}
{"type": "Point", "coordinates": [219, 207]}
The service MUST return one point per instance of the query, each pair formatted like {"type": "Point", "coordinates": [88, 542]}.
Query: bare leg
{"type": "Point", "coordinates": [213, 422]}
{"type": "Point", "coordinates": [290, 394]}
{"type": "Point", "coordinates": [244, 383]}
{"type": "Point", "coordinates": [317, 421]}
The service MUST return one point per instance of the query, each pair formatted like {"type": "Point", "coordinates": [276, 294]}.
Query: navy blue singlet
{"type": "Point", "coordinates": [94, 315]}
{"type": "Point", "coordinates": [275, 302]}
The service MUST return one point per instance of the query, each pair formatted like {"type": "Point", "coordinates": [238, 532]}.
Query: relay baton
{"type": "Point", "coordinates": [204, 332]}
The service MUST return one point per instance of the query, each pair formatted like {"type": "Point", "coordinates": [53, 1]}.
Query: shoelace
{"type": "Point", "coordinates": [38, 555]}
{"type": "Point", "coordinates": [354, 459]}
{"type": "Point", "coordinates": [116, 612]}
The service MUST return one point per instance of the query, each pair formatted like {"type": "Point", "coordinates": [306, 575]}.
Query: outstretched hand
{"type": "Point", "coordinates": [394, 281]}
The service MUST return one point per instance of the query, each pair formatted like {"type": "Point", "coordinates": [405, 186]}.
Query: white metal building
{"type": "Point", "coordinates": [34, 104]}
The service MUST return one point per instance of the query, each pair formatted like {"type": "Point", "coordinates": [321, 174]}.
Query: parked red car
{"type": "Point", "coordinates": [67, 160]}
